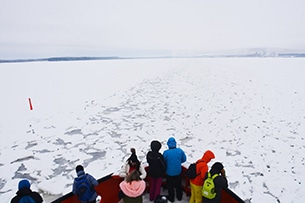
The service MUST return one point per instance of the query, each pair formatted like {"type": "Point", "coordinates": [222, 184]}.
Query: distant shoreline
{"type": "Point", "coordinates": [86, 58]}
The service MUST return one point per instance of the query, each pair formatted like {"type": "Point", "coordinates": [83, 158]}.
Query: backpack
{"type": "Point", "coordinates": [191, 171]}
{"type": "Point", "coordinates": [84, 189]}
{"type": "Point", "coordinates": [208, 189]}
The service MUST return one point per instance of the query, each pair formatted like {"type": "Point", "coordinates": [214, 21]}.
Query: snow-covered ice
{"type": "Point", "coordinates": [249, 111]}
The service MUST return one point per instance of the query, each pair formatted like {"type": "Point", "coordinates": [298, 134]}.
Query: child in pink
{"type": "Point", "coordinates": [133, 188]}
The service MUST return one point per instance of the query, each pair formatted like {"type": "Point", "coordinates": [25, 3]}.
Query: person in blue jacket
{"type": "Point", "coordinates": [173, 158]}
{"type": "Point", "coordinates": [83, 186]}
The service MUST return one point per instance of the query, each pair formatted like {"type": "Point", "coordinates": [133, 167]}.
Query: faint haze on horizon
{"type": "Point", "coordinates": [36, 29]}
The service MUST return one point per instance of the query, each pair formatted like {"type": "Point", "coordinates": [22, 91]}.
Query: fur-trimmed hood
{"type": "Point", "coordinates": [134, 188]}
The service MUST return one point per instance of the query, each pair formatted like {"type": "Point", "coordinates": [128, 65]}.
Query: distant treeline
{"type": "Point", "coordinates": [255, 55]}
{"type": "Point", "coordinates": [292, 55]}
{"type": "Point", "coordinates": [52, 59]}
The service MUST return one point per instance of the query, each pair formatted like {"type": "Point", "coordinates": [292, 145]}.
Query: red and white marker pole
{"type": "Point", "coordinates": [30, 103]}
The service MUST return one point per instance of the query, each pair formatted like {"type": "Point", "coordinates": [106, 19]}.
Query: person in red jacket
{"type": "Point", "coordinates": [201, 170]}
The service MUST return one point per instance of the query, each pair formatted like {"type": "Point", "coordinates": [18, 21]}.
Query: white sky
{"type": "Point", "coordinates": [36, 28]}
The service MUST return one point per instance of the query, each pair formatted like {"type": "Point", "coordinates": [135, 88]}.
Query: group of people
{"type": "Point", "coordinates": [133, 186]}
{"type": "Point", "coordinates": [168, 164]}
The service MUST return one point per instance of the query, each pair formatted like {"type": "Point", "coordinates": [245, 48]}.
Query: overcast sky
{"type": "Point", "coordinates": [36, 28]}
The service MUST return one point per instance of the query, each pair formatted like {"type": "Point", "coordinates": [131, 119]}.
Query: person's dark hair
{"type": "Point", "coordinates": [79, 168]}
{"type": "Point", "coordinates": [133, 176]}
{"type": "Point", "coordinates": [133, 158]}
{"type": "Point", "coordinates": [216, 167]}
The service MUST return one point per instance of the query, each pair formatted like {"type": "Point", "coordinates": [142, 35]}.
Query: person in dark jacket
{"type": "Point", "coordinates": [92, 181]}
{"type": "Point", "coordinates": [25, 194]}
{"type": "Point", "coordinates": [173, 158]}
{"type": "Point", "coordinates": [220, 181]}
{"type": "Point", "coordinates": [156, 169]}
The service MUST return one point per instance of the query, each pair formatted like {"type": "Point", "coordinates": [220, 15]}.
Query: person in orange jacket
{"type": "Point", "coordinates": [201, 170]}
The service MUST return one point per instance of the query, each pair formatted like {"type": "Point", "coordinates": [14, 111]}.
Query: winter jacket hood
{"type": "Point", "coordinates": [134, 188]}
{"type": "Point", "coordinates": [207, 156]}
{"type": "Point", "coordinates": [155, 146]}
{"type": "Point", "coordinates": [202, 167]}
{"type": "Point", "coordinates": [171, 143]}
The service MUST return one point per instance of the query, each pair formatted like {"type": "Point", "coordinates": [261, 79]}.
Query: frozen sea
{"type": "Point", "coordinates": [249, 111]}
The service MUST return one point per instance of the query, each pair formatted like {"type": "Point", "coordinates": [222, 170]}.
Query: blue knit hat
{"type": "Point", "coordinates": [24, 184]}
